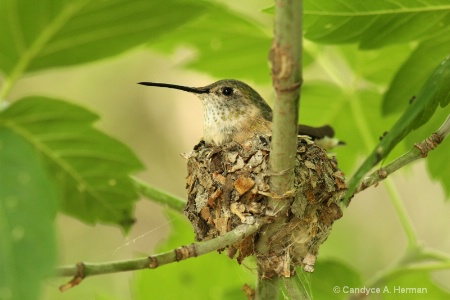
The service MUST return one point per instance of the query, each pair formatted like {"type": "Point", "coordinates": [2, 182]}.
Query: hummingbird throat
{"type": "Point", "coordinates": [223, 122]}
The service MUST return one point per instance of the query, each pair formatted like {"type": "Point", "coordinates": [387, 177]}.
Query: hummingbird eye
{"type": "Point", "coordinates": [227, 91]}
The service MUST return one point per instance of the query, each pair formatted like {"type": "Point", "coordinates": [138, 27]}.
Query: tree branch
{"type": "Point", "coordinates": [285, 57]}
{"type": "Point", "coordinates": [83, 270]}
{"type": "Point", "coordinates": [148, 191]}
{"type": "Point", "coordinates": [420, 150]}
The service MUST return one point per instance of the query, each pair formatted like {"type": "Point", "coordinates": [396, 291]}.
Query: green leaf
{"type": "Point", "coordinates": [210, 276]}
{"type": "Point", "coordinates": [375, 67]}
{"type": "Point", "coordinates": [436, 91]}
{"type": "Point", "coordinates": [91, 169]}
{"type": "Point", "coordinates": [37, 35]}
{"type": "Point", "coordinates": [329, 279]}
{"type": "Point", "coordinates": [414, 72]}
{"type": "Point", "coordinates": [27, 211]}
{"type": "Point", "coordinates": [296, 287]}
{"type": "Point", "coordinates": [438, 165]}
{"type": "Point", "coordinates": [374, 24]}
{"type": "Point", "coordinates": [227, 45]}
{"type": "Point", "coordinates": [414, 286]}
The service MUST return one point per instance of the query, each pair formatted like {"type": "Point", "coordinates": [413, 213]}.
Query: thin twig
{"type": "Point", "coordinates": [82, 270]}
{"type": "Point", "coordinates": [148, 191]}
{"type": "Point", "coordinates": [420, 150]}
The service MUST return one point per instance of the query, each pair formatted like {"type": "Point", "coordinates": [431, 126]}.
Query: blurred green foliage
{"type": "Point", "coordinates": [28, 204]}
{"type": "Point", "coordinates": [361, 89]}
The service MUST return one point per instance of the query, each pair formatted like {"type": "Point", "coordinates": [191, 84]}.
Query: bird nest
{"type": "Point", "coordinates": [228, 186]}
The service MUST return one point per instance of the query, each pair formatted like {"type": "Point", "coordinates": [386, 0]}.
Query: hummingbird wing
{"type": "Point", "coordinates": [322, 136]}
{"type": "Point", "coordinates": [316, 132]}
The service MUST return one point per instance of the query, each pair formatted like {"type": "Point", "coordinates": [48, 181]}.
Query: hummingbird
{"type": "Point", "coordinates": [233, 111]}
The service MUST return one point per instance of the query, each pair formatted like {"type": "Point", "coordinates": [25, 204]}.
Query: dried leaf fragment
{"type": "Point", "coordinates": [243, 184]}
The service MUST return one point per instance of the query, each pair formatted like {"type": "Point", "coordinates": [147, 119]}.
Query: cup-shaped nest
{"type": "Point", "coordinates": [229, 185]}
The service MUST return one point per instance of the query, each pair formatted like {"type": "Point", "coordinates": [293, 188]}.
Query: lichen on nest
{"type": "Point", "coordinates": [228, 185]}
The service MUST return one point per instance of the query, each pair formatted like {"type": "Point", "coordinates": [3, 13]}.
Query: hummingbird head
{"type": "Point", "coordinates": [232, 110]}
{"type": "Point", "coordinates": [234, 97]}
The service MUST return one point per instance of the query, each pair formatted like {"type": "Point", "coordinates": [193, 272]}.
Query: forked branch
{"type": "Point", "coordinates": [419, 150]}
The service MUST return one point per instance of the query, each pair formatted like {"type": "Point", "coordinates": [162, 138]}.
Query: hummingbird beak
{"type": "Point", "coordinates": [177, 87]}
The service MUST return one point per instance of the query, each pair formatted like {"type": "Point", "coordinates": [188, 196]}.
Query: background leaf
{"type": "Point", "coordinates": [27, 211]}
{"type": "Point", "coordinates": [421, 281]}
{"type": "Point", "coordinates": [373, 24]}
{"type": "Point", "coordinates": [52, 33]}
{"type": "Point", "coordinates": [91, 168]}
{"type": "Point", "coordinates": [436, 91]}
{"type": "Point", "coordinates": [330, 274]}
{"type": "Point", "coordinates": [227, 45]}
{"type": "Point", "coordinates": [296, 287]}
{"type": "Point", "coordinates": [414, 72]}
{"type": "Point", "coordinates": [438, 165]}
{"type": "Point", "coordinates": [376, 68]}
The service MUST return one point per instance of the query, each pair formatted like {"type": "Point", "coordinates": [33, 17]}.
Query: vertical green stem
{"type": "Point", "coordinates": [285, 56]}
{"type": "Point", "coordinates": [401, 213]}
{"type": "Point", "coordinates": [287, 78]}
